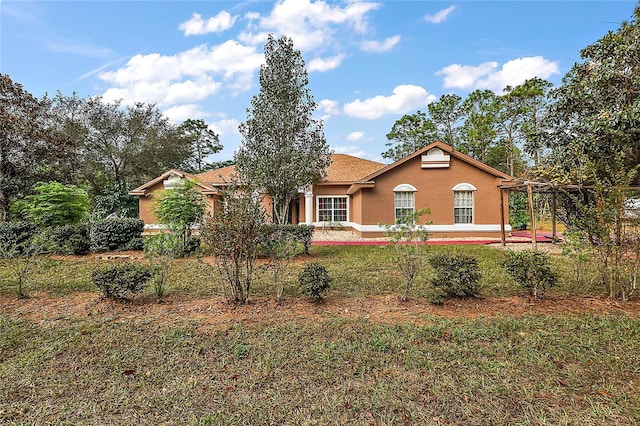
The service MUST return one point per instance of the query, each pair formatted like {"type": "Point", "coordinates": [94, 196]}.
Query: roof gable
{"type": "Point", "coordinates": [142, 189]}
{"type": "Point", "coordinates": [445, 149]}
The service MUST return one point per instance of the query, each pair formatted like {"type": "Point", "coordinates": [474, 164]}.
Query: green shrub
{"type": "Point", "coordinates": [518, 211]}
{"type": "Point", "coordinates": [302, 234]}
{"type": "Point", "coordinates": [532, 270]}
{"type": "Point", "coordinates": [116, 234]}
{"type": "Point", "coordinates": [162, 244]}
{"type": "Point", "coordinates": [192, 246]}
{"type": "Point", "coordinates": [407, 238]}
{"type": "Point", "coordinates": [314, 280]}
{"type": "Point", "coordinates": [234, 236]}
{"type": "Point", "coordinates": [53, 204]}
{"type": "Point", "coordinates": [70, 239]}
{"type": "Point", "coordinates": [436, 296]}
{"type": "Point", "coordinates": [17, 235]}
{"type": "Point", "coordinates": [456, 274]}
{"type": "Point", "coordinates": [122, 281]}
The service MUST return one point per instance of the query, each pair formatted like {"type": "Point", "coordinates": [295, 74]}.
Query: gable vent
{"type": "Point", "coordinates": [435, 158]}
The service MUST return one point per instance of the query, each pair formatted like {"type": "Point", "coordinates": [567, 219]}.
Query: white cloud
{"type": "Point", "coordinates": [178, 114]}
{"type": "Point", "coordinates": [186, 77]}
{"type": "Point", "coordinates": [405, 98]}
{"type": "Point", "coordinates": [310, 24]}
{"type": "Point", "coordinates": [488, 76]}
{"type": "Point", "coordinates": [225, 127]}
{"type": "Point", "coordinates": [329, 107]}
{"type": "Point", "coordinates": [326, 64]}
{"type": "Point", "coordinates": [465, 76]}
{"type": "Point", "coordinates": [216, 24]}
{"type": "Point", "coordinates": [355, 136]}
{"type": "Point", "coordinates": [356, 151]}
{"type": "Point", "coordinates": [376, 46]}
{"type": "Point", "coordinates": [440, 16]}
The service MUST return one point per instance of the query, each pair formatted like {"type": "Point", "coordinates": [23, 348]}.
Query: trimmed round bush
{"type": "Point", "coordinates": [121, 281]}
{"type": "Point", "coordinates": [70, 239]}
{"type": "Point", "coordinates": [314, 280]}
{"type": "Point", "coordinates": [456, 274]}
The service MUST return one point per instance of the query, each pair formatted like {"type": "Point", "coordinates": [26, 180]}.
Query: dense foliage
{"type": "Point", "coordinates": [16, 235]}
{"type": "Point", "coordinates": [53, 204]}
{"type": "Point", "coordinates": [486, 126]}
{"type": "Point", "coordinates": [180, 209]}
{"type": "Point", "coordinates": [116, 234]}
{"type": "Point", "coordinates": [314, 280]}
{"type": "Point", "coordinates": [456, 274]}
{"type": "Point", "coordinates": [122, 281]}
{"type": "Point", "coordinates": [283, 147]}
{"type": "Point", "coordinates": [70, 239]}
{"type": "Point", "coordinates": [532, 270]}
{"type": "Point", "coordinates": [32, 149]}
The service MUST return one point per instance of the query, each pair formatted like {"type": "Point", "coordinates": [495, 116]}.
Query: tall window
{"type": "Point", "coordinates": [463, 207]}
{"type": "Point", "coordinates": [463, 203]}
{"type": "Point", "coordinates": [405, 200]}
{"type": "Point", "coordinates": [332, 209]}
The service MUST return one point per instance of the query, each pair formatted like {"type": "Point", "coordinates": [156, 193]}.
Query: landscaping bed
{"type": "Point", "coordinates": [359, 356]}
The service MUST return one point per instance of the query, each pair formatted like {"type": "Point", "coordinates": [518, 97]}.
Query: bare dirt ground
{"type": "Point", "coordinates": [215, 312]}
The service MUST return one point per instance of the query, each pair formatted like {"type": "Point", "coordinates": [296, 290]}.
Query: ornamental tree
{"type": "Point", "coordinates": [179, 209]}
{"type": "Point", "coordinates": [593, 128]}
{"type": "Point", "coordinates": [283, 148]}
{"type": "Point", "coordinates": [54, 204]}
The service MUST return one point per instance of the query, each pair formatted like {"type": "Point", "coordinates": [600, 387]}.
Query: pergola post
{"type": "Point", "coordinates": [532, 219]}
{"type": "Point", "coordinates": [554, 227]}
{"type": "Point", "coordinates": [502, 227]}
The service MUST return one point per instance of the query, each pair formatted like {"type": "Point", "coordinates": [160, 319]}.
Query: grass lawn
{"type": "Point", "coordinates": [67, 357]}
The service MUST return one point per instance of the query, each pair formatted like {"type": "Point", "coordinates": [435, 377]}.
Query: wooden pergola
{"type": "Point", "coordinates": [553, 188]}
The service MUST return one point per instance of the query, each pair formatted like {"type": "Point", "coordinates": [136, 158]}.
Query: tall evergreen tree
{"type": "Point", "coordinates": [479, 131]}
{"type": "Point", "coordinates": [283, 149]}
{"type": "Point", "coordinates": [447, 113]}
{"type": "Point", "coordinates": [409, 134]}
{"type": "Point", "coordinates": [204, 142]}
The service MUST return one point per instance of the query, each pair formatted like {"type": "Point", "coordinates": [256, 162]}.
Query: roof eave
{"type": "Point", "coordinates": [357, 186]}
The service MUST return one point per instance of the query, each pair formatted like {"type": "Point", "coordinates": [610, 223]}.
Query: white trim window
{"type": "Point", "coordinates": [333, 209]}
{"type": "Point", "coordinates": [404, 203]}
{"type": "Point", "coordinates": [463, 203]}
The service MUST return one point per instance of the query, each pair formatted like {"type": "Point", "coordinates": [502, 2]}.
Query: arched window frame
{"type": "Point", "coordinates": [404, 202]}
{"type": "Point", "coordinates": [463, 203]}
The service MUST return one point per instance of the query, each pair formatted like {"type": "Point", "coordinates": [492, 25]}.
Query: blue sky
{"type": "Point", "coordinates": [369, 62]}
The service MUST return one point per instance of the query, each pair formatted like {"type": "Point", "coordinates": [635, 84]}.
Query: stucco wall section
{"type": "Point", "coordinates": [434, 191]}
{"type": "Point", "coordinates": [146, 204]}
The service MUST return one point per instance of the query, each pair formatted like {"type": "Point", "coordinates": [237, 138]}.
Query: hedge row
{"type": "Point", "coordinates": [103, 235]}
{"type": "Point", "coordinates": [300, 233]}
